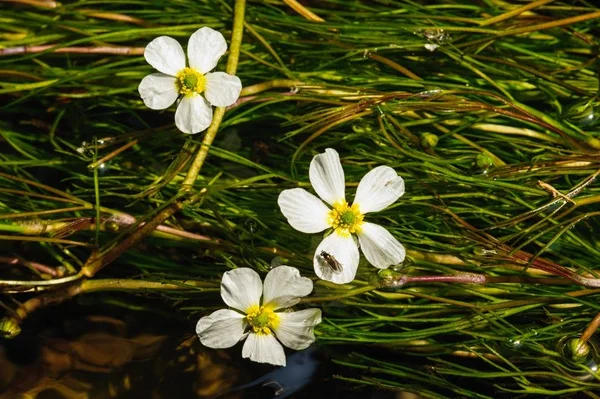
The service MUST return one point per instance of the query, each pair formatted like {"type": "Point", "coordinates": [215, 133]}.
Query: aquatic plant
{"type": "Point", "coordinates": [336, 257]}
{"type": "Point", "coordinates": [488, 111]}
{"type": "Point", "coordinates": [161, 90]}
{"type": "Point", "coordinates": [258, 315]}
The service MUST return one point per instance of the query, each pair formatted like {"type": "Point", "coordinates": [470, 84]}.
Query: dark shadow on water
{"type": "Point", "coordinates": [97, 351]}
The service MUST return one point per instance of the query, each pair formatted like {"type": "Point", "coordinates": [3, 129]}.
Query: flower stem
{"type": "Point", "coordinates": [590, 330]}
{"type": "Point", "coordinates": [211, 133]}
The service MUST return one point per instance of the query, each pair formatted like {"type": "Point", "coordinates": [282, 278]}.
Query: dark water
{"type": "Point", "coordinates": [101, 351]}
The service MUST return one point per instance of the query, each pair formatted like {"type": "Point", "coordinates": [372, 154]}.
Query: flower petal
{"type": "Point", "coordinates": [345, 251]}
{"type": "Point", "coordinates": [283, 287]}
{"type": "Point", "coordinates": [221, 329]}
{"type": "Point", "coordinates": [158, 90]}
{"type": "Point", "coordinates": [327, 176]}
{"type": "Point", "coordinates": [378, 189]}
{"type": "Point", "coordinates": [263, 348]}
{"type": "Point", "coordinates": [380, 248]}
{"type": "Point", "coordinates": [303, 211]}
{"type": "Point", "coordinates": [166, 55]}
{"type": "Point", "coordinates": [222, 89]}
{"type": "Point", "coordinates": [205, 47]}
{"type": "Point", "coordinates": [241, 288]}
{"type": "Point", "coordinates": [296, 328]}
{"type": "Point", "coordinates": [193, 114]}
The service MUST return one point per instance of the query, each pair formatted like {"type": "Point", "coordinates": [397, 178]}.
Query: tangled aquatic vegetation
{"type": "Point", "coordinates": [487, 110]}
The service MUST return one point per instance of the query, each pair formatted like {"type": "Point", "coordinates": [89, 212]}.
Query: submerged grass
{"type": "Point", "coordinates": [489, 110]}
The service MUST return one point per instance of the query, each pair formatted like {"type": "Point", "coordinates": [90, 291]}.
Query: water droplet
{"type": "Point", "coordinates": [532, 332]}
{"type": "Point", "coordinates": [583, 113]}
{"type": "Point", "coordinates": [251, 226]}
{"type": "Point", "coordinates": [484, 252]}
{"type": "Point", "coordinates": [401, 265]}
{"type": "Point", "coordinates": [434, 36]}
{"type": "Point", "coordinates": [514, 342]}
{"type": "Point", "coordinates": [430, 92]}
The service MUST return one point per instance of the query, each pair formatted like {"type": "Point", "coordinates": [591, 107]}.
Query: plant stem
{"type": "Point", "coordinates": [211, 133]}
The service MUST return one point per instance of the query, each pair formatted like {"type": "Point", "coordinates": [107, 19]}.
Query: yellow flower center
{"type": "Point", "coordinates": [262, 319]}
{"type": "Point", "coordinates": [190, 81]}
{"type": "Point", "coordinates": [345, 219]}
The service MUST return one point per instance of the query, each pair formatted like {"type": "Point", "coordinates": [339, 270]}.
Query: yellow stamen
{"type": "Point", "coordinates": [262, 319]}
{"type": "Point", "coordinates": [190, 82]}
{"type": "Point", "coordinates": [345, 219]}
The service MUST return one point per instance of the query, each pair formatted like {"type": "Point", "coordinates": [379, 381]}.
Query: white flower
{"type": "Point", "coordinates": [160, 90]}
{"type": "Point", "coordinates": [261, 321]}
{"type": "Point", "coordinates": [377, 190]}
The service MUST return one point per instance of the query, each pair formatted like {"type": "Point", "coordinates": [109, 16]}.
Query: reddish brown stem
{"type": "Point", "coordinates": [54, 272]}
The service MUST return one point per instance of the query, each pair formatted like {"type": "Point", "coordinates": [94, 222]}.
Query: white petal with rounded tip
{"type": "Point", "coordinates": [378, 189]}
{"type": "Point", "coordinates": [222, 89]}
{"type": "Point", "coordinates": [303, 211]}
{"type": "Point", "coordinates": [283, 287]}
{"type": "Point", "coordinates": [205, 47]}
{"type": "Point", "coordinates": [345, 251]}
{"type": "Point", "coordinates": [221, 329]}
{"type": "Point", "coordinates": [327, 176]}
{"type": "Point", "coordinates": [296, 328]}
{"type": "Point", "coordinates": [380, 248]}
{"type": "Point", "coordinates": [158, 90]}
{"type": "Point", "coordinates": [241, 288]}
{"type": "Point", "coordinates": [166, 55]}
{"type": "Point", "coordinates": [263, 348]}
{"type": "Point", "coordinates": [193, 114]}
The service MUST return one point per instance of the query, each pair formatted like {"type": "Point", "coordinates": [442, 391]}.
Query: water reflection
{"type": "Point", "coordinates": [74, 353]}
